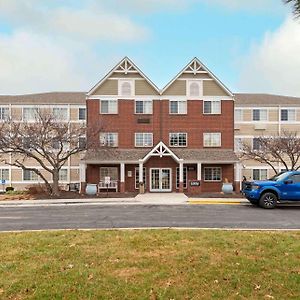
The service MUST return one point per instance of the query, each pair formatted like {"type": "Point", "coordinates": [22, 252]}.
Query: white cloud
{"type": "Point", "coordinates": [273, 66]}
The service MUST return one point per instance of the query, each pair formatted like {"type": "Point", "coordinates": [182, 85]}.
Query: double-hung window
{"type": "Point", "coordinates": [143, 139]}
{"type": "Point", "coordinates": [4, 174]}
{"type": "Point", "coordinates": [260, 174]}
{"type": "Point", "coordinates": [178, 107]}
{"type": "Point", "coordinates": [111, 172]}
{"type": "Point", "coordinates": [259, 115]}
{"type": "Point", "coordinates": [212, 107]}
{"type": "Point", "coordinates": [238, 144]}
{"type": "Point", "coordinates": [288, 115]}
{"type": "Point", "coordinates": [82, 113]}
{"type": "Point", "coordinates": [238, 115]}
{"type": "Point", "coordinates": [212, 139]}
{"type": "Point", "coordinates": [256, 145]}
{"type": "Point", "coordinates": [29, 175]}
{"type": "Point", "coordinates": [63, 175]}
{"type": "Point", "coordinates": [109, 106]}
{"type": "Point", "coordinates": [60, 113]}
{"type": "Point", "coordinates": [178, 139]}
{"type": "Point", "coordinates": [4, 113]}
{"type": "Point", "coordinates": [30, 113]}
{"type": "Point", "coordinates": [212, 174]}
{"type": "Point", "coordinates": [143, 107]}
{"type": "Point", "coordinates": [109, 139]}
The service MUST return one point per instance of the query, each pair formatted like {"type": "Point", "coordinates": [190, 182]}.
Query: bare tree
{"type": "Point", "coordinates": [283, 149]}
{"type": "Point", "coordinates": [47, 140]}
{"type": "Point", "coordinates": [296, 6]}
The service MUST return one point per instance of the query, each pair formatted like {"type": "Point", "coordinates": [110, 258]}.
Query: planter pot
{"type": "Point", "coordinates": [227, 188]}
{"type": "Point", "coordinates": [91, 189]}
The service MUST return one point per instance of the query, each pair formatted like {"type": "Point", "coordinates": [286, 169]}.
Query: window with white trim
{"type": "Point", "coordinates": [63, 175]}
{"type": "Point", "coordinates": [238, 115]}
{"type": "Point", "coordinates": [137, 178]}
{"type": "Point", "coordinates": [111, 172]}
{"type": "Point", "coordinates": [143, 139]}
{"type": "Point", "coordinates": [109, 139]}
{"type": "Point", "coordinates": [259, 174]}
{"type": "Point", "coordinates": [82, 142]}
{"type": "Point", "coordinates": [4, 113]}
{"type": "Point", "coordinates": [60, 113]}
{"type": "Point", "coordinates": [30, 113]}
{"type": "Point", "coordinates": [143, 107]}
{"type": "Point", "coordinates": [178, 139]}
{"type": "Point", "coordinates": [126, 88]}
{"type": "Point", "coordinates": [256, 145]}
{"type": "Point", "coordinates": [108, 106]}
{"type": "Point", "coordinates": [238, 144]}
{"type": "Point", "coordinates": [213, 174]}
{"type": "Point", "coordinates": [178, 107]}
{"type": "Point", "coordinates": [194, 88]}
{"type": "Point", "coordinates": [4, 174]}
{"type": "Point", "coordinates": [184, 178]}
{"type": "Point", "coordinates": [81, 113]}
{"type": "Point", "coordinates": [212, 107]}
{"type": "Point", "coordinates": [260, 115]}
{"type": "Point", "coordinates": [212, 139]}
{"type": "Point", "coordinates": [288, 115]}
{"type": "Point", "coordinates": [29, 175]}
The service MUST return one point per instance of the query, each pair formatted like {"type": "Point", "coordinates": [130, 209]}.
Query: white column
{"type": "Point", "coordinates": [82, 172]}
{"type": "Point", "coordinates": [238, 173]}
{"type": "Point", "coordinates": [181, 172]}
{"type": "Point", "coordinates": [141, 170]}
{"type": "Point", "coordinates": [122, 171]}
{"type": "Point", "coordinates": [199, 170]}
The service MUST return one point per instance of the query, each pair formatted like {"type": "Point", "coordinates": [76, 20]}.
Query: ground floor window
{"type": "Point", "coordinates": [137, 178]}
{"type": "Point", "coordinates": [29, 175]}
{"type": "Point", "coordinates": [111, 172]}
{"type": "Point", "coordinates": [63, 175]}
{"type": "Point", "coordinates": [4, 174]}
{"type": "Point", "coordinates": [260, 174]}
{"type": "Point", "coordinates": [212, 174]}
{"type": "Point", "coordinates": [184, 178]}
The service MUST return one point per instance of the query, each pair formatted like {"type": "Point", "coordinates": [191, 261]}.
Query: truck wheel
{"type": "Point", "coordinates": [268, 200]}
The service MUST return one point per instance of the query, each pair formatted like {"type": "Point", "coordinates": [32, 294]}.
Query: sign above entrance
{"type": "Point", "coordinates": [194, 183]}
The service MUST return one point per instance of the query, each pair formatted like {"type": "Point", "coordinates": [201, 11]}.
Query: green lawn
{"type": "Point", "coordinates": [150, 264]}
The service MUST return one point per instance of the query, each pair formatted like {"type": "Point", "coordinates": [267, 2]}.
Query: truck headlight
{"type": "Point", "coordinates": [255, 187]}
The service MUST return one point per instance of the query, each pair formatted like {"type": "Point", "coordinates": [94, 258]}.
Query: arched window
{"type": "Point", "coordinates": [126, 89]}
{"type": "Point", "coordinates": [194, 89]}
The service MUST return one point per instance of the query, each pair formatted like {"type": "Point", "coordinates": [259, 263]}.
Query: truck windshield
{"type": "Point", "coordinates": [278, 176]}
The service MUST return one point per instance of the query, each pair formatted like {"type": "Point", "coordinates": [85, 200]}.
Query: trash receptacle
{"type": "Point", "coordinates": [142, 188]}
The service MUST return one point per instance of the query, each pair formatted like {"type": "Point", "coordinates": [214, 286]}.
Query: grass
{"type": "Point", "coordinates": [150, 264]}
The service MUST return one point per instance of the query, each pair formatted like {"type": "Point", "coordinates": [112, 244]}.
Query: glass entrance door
{"type": "Point", "coordinates": [160, 180]}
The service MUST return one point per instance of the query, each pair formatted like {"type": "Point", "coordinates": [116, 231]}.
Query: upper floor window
{"type": "Point", "coordinates": [178, 107]}
{"type": "Point", "coordinates": [178, 139]}
{"type": "Point", "coordinates": [109, 139]}
{"type": "Point", "coordinates": [194, 88]}
{"type": "Point", "coordinates": [126, 88]}
{"type": "Point", "coordinates": [109, 106]}
{"type": "Point", "coordinates": [143, 107]}
{"type": "Point", "coordinates": [143, 139]}
{"type": "Point", "coordinates": [288, 115]}
{"type": "Point", "coordinates": [256, 145]}
{"type": "Point", "coordinates": [260, 115]}
{"type": "Point", "coordinates": [238, 115]}
{"type": "Point", "coordinates": [260, 174]}
{"type": "Point", "coordinates": [4, 113]}
{"type": "Point", "coordinates": [30, 113]}
{"type": "Point", "coordinates": [212, 139]}
{"type": "Point", "coordinates": [238, 144]}
{"type": "Point", "coordinates": [82, 142]}
{"type": "Point", "coordinates": [60, 113]}
{"type": "Point", "coordinates": [82, 113]}
{"type": "Point", "coordinates": [212, 107]}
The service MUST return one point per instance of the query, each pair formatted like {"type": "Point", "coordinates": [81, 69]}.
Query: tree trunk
{"type": "Point", "coordinates": [55, 187]}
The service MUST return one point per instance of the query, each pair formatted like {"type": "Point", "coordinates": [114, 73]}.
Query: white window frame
{"type": "Point", "coordinates": [34, 115]}
{"type": "Point", "coordinates": [110, 110]}
{"type": "Point", "coordinates": [61, 117]}
{"type": "Point", "coordinates": [61, 176]}
{"type": "Point", "coordinates": [260, 119]}
{"type": "Point", "coordinates": [137, 179]}
{"type": "Point", "coordinates": [185, 182]}
{"type": "Point", "coordinates": [33, 176]}
{"type": "Point", "coordinates": [80, 138]}
{"type": "Point", "coordinates": [179, 108]}
{"type": "Point", "coordinates": [212, 169]}
{"type": "Point", "coordinates": [177, 136]}
{"type": "Point", "coordinates": [108, 171]}
{"type": "Point", "coordinates": [143, 139]}
{"type": "Point", "coordinates": [289, 110]}
{"type": "Point", "coordinates": [211, 134]}
{"type": "Point", "coordinates": [238, 144]}
{"type": "Point", "coordinates": [143, 113]}
{"type": "Point", "coordinates": [106, 142]}
{"type": "Point", "coordinates": [260, 174]}
{"type": "Point", "coordinates": [79, 109]}
{"type": "Point", "coordinates": [213, 111]}
{"type": "Point", "coordinates": [200, 88]}
{"type": "Point", "coordinates": [4, 113]}
{"type": "Point", "coordinates": [2, 171]}
{"type": "Point", "coordinates": [132, 87]}
{"type": "Point", "coordinates": [238, 117]}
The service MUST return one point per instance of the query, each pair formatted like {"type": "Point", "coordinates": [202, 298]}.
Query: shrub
{"type": "Point", "coordinates": [9, 189]}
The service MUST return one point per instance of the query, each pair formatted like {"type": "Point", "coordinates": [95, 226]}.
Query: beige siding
{"type": "Point", "coordinates": [273, 115]}
{"type": "Point", "coordinates": [247, 116]}
{"type": "Point", "coordinates": [74, 175]}
{"type": "Point", "coordinates": [290, 127]}
{"type": "Point", "coordinates": [177, 88]}
{"type": "Point", "coordinates": [211, 88]}
{"type": "Point", "coordinates": [142, 87]}
{"type": "Point", "coordinates": [74, 114]}
{"type": "Point", "coordinates": [108, 87]}
{"type": "Point", "coordinates": [249, 129]}
{"type": "Point", "coordinates": [16, 113]}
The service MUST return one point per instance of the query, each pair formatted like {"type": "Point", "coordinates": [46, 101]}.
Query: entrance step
{"type": "Point", "coordinates": [162, 198]}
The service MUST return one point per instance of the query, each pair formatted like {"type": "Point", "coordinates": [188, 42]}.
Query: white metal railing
{"type": "Point", "coordinates": [113, 185]}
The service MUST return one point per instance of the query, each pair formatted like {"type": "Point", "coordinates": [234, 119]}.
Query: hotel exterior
{"type": "Point", "coordinates": [176, 139]}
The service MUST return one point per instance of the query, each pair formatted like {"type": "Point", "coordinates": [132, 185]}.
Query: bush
{"type": "Point", "coordinates": [9, 189]}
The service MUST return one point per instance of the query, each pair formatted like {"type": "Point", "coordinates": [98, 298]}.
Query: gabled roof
{"type": "Point", "coordinates": [195, 66]}
{"type": "Point", "coordinates": [125, 66]}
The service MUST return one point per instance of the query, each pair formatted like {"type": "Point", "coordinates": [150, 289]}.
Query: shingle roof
{"type": "Point", "coordinates": [45, 98]}
{"type": "Point", "coordinates": [133, 155]}
{"type": "Point", "coordinates": [265, 100]}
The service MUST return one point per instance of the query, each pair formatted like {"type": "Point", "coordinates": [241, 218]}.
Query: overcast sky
{"type": "Point", "coordinates": [55, 45]}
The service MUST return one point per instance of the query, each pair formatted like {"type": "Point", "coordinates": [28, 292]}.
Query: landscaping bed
{"type": "Point", "coordinates": [157, 264]}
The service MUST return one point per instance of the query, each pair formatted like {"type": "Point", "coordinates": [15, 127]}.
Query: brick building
{"type": "Point", "coordinates": [179, 138]}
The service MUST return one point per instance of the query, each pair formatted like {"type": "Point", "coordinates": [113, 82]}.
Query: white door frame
{"type": "Point", "coordinates": [160, 190]}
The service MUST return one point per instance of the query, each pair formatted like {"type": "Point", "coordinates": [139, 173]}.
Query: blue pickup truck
{"type": "Point", "coordinates": [283, 187]}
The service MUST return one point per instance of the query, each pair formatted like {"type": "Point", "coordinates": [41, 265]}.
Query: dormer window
{"type": "Point", "coordinates": [194, 88]}
{"type": "Point", "coordinates": [126, 88]}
